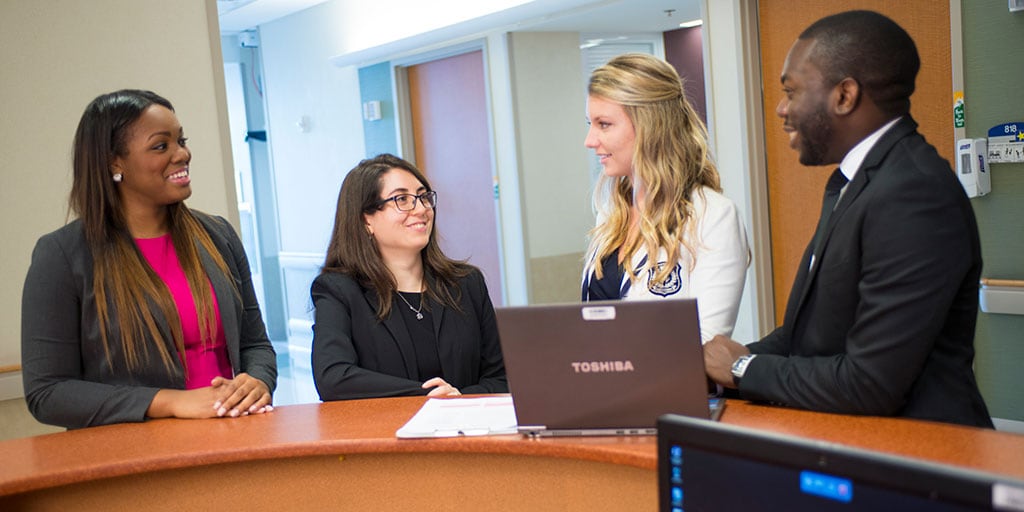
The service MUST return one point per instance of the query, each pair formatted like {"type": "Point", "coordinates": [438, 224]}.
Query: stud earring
{"type": "Point", "coordinates": [118, 177]}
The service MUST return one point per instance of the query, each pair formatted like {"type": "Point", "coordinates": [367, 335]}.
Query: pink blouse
{"type": "Point", "coordinates": [203, 361]}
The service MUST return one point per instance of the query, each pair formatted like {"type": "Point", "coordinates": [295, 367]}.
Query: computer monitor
{"type": "Point", "coordinates": [711, 466]}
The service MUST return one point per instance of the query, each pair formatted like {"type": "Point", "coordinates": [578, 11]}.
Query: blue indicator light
{"type": "Point", "coordinates": [677, 496]}
{"type": "Point", "coordinates": [833, 488]}
{"type": "Point", "coordinates": [676, 456]}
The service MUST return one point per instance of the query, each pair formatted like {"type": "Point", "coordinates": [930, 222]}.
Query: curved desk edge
{"type": "Point", "coordinates": [368, 427]}
{"type": "Point", "coordinates": [289, 432]}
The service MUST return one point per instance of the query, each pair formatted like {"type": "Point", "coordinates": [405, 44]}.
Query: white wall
{"type": "Point", "coordinates": [301, 83]}
{"type": "Point", "coordinates": [550, 103]}
{"type": "Point", "coordinates": [302, 87]}
{"type": "Point", "coordinates": [55, 57]}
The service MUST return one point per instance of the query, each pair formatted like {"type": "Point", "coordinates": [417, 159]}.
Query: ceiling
{"type": "Point", "coordinates": [239, 15]}
{"type": "Point", "coordinates": [621, 16]}
{"type": "Point", "coordinates": [601, 16]}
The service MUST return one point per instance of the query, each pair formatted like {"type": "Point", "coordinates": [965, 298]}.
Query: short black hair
{"type": "Point", "coordinates": [873, 50]}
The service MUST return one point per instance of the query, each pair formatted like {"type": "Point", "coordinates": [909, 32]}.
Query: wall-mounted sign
{"type": "Point", "coordinates": [958, 109]}
{"type": "Point", "coordinates": [1006, 143]}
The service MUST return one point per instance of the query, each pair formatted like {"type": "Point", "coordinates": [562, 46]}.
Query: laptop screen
{"type": "Point", "coordinates": [704, 465]}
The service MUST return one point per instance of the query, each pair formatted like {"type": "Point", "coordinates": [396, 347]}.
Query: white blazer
{"type": "Point", "coordinates": [717, 278]}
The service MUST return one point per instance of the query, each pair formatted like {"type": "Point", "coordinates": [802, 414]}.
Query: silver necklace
{"type": "Point", "coordinates": [419, 316]}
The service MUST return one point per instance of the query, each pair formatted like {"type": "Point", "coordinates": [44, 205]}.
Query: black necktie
{"type": "Point", "coordinates": [835, 185]}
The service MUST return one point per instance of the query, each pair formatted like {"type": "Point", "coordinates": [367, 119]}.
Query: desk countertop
{"type": "Point", "coordinates": [368, 426]}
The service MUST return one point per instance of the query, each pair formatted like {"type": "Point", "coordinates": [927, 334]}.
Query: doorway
{"type": "Point", "coordinates": [447, 114]}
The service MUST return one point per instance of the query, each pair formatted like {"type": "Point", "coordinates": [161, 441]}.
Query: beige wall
{"type": "Point", "coordinates": [550, 103]}
{"type": "Point", "coordinates": [55, 57]}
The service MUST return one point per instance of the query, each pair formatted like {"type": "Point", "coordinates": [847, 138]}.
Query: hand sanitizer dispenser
{"type": "Point", "coordinates": [972, 168]}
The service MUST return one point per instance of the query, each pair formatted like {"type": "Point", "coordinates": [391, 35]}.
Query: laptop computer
{"type": "Point", "coordinates": [604, 368]}
{"type": "Point", "coordinates": [704, 465]}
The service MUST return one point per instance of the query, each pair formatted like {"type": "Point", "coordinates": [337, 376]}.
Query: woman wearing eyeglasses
{"type": "Point", "coordinates": [394, 315]}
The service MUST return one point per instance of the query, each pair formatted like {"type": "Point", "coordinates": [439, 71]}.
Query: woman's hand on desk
{"type": "Point", "coordinates": [177, 403]}
{"type": "Point", "coordinates": [441, 388]}
{"type": "Point", "coordinates": [240, 396]}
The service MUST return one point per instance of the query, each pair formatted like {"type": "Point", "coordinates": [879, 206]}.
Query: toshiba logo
{"type": "Point", "coordinates": [602, 366]}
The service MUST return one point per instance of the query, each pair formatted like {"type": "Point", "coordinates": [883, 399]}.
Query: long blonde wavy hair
{"type": "Point", "coordinates": [670, 161]}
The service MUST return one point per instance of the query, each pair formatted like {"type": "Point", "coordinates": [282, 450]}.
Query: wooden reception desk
{"type": "Point", "coordinates": [345, 455]}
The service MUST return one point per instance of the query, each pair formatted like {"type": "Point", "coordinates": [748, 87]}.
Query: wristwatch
{"type": "Point", "coordinates": [739, 367]}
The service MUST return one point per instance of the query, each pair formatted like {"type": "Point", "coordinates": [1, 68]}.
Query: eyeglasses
{"type": "Point", "coordinates": [407, 202]}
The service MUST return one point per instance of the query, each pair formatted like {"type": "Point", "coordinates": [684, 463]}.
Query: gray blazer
{"type": "Point", "coordinates": [68, 379]}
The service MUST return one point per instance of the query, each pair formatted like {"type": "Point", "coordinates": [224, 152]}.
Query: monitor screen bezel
{"type": "Point", "coordinates": [937, 482]}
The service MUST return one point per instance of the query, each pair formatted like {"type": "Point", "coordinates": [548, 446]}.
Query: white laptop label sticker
{"type": "Point", "coordinates": [599, 313]}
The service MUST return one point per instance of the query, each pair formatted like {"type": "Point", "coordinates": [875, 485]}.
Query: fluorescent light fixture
{"type": "Point", "coordinates": [692, 23]}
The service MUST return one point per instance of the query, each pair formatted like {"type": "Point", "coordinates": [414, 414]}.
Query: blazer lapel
{"type": "Point", "coordinates": [227, 303]}
{"type": "Point", "coordinates": [399, 334]}
{"type": "Point", "coordinates": [853, 189]}
{"type": "Point", "coordinates": [154, 363]}
{"type": "Point", "coordinates": [800, 286]}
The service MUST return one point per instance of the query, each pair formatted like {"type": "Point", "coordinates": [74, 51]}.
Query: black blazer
{"type": "Point", "coordinates": [883, 324]}
{"type": "Point", "coordinates": [68, 379]}
{"type": "Point", "coordinates": [357, 356]}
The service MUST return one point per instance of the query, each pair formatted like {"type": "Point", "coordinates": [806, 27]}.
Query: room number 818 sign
{"type": "Point", "coordinates": [1006, 143]}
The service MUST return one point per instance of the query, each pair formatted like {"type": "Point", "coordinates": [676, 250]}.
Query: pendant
{"type": "Point", "coordinates": [419, 316]}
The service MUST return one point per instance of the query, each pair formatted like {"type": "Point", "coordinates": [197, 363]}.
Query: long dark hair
{"type": "Point", "coordinates": [353, 252]}
{"type": "Point", "coordinates": [122, 280]}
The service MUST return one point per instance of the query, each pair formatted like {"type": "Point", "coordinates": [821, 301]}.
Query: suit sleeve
{"type": "Point", "coordinates": [336, 370]}
{"type": "Point", "coordinates": [492, 365]}
{"type": "Point", "coordinates": [51, 350]}
{"type": "Point", "coordinates": [915, 251]}
{"type": "Point", "coordinates": [256, 354]}
{"type": "Point", "coordinates": [718, 277]}
{"type": "Point", "coordinates": [774, 343]}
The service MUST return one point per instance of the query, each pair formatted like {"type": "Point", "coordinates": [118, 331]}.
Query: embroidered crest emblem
{"type": "Point", "coordinates": [670, 286]}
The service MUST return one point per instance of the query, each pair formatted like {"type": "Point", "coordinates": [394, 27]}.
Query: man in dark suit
{"type": "Point", "coordinates": [881, 317]}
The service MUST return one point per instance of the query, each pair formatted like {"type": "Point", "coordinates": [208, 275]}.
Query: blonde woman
{"type": "Point", "coordinates": [664, 229]}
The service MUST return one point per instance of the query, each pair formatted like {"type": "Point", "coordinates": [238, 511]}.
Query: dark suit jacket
{"type": "Point", "coordinates": [68, 378]}
{"type": "Point", "coordinates": [883, 324]}
{"type": "Point", "coordinates": [357, 356]}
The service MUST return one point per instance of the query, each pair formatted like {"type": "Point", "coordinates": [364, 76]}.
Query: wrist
{"type": "Point", "coordinates": [162, 405]}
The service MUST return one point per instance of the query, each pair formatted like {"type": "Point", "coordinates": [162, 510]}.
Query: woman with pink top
{"type": "Point", "coordinates": [140, 308]}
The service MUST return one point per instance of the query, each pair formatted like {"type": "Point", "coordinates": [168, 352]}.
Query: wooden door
{"type": "Point", "coordinates": [450, 126]}
{"type": "Point", "coordinates": [795, 191]}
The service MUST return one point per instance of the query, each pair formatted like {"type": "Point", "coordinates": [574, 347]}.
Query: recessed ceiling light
{"type": "Point", "coordinates": [692, 23]}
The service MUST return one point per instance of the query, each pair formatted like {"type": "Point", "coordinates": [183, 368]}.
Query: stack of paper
{"type": "Point", "coordinates": [450, 417]}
